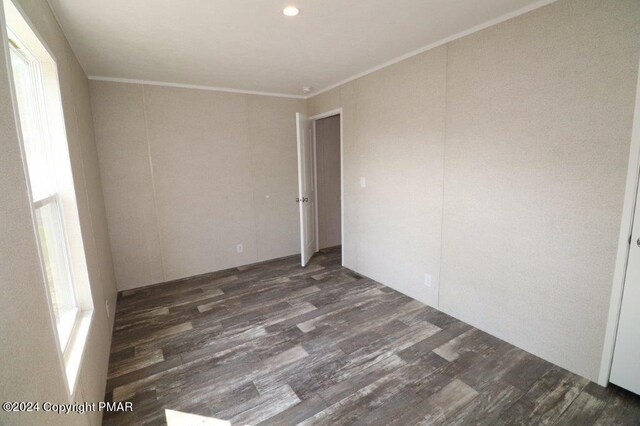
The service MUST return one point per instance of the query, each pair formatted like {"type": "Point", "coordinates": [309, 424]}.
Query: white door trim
{"type": "Point", "coordinates": [628, 208]}
{"type": "Point", "coordinates": [315, 180]}
{"type": "Point", "coordinates": [337, 111]}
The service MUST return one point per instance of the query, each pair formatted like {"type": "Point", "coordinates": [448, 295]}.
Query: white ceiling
{"type": "Point", "coordinates": [250, 45]}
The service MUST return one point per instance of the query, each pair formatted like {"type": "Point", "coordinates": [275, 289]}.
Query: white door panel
{"type": "Point", "coordinates": [625, 370]}
{"type": "Point", "coordinates": [306, 188]}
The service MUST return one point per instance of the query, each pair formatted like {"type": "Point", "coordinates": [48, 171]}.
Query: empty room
{"type": "Point", "coordinates": [374, 212]}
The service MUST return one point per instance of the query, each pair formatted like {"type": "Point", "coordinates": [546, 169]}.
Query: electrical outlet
{"type": "Point", "coordinates": [106, 306]}
{"type": "Point", "coordinates": [239, 248]}
{"type": "Point", "coordinates": [427, 280]}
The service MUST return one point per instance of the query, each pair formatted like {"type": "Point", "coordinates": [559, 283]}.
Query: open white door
{"type": "Point", "coordinates": [625, 370]}
{"type": "Point", "coordinates": [306, 188]}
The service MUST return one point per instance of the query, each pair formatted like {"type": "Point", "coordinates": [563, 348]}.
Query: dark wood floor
{"type": "Point", "coordinates": [274, 343]}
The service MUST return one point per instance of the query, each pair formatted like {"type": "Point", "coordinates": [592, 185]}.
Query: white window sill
{"type": "Point", "coordinates": [75, 348]}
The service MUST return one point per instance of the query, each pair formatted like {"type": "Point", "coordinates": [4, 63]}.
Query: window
{"type": "Point", "coordinates": [56, 222]}
{"type": "Point", "coordinates": [45, 197]}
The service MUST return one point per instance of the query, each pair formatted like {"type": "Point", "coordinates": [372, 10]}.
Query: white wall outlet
{"type": "Point", "coordinates": [106, 306]}
{"type": "Point", "coordinates": [363, 181]}
{"type": "Point", "coordinates": [239, 248]}
{"type": "Point", "coordinates": [427, 280]}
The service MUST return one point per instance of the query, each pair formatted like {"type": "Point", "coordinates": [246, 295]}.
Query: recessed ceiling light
{"type": "Point", "coordinates": [290, 11]}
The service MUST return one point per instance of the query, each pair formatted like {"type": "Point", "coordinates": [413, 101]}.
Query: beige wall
{"type": "Point", "coordinates": [393, 127]}
{"type": "Point", "coordinates": [526, 152]}
{"type": "Point", "coordinates": [30, 369]}
{"type": "Point", "coordinates": [537, 148]}
{"type": "Point", "coordinates": [328, 181]}
{"type": "Point", "coordinates": [189, 174]}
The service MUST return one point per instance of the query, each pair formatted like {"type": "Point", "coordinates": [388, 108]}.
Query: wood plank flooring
{"type": "Point", "coordinates": [273, 343]}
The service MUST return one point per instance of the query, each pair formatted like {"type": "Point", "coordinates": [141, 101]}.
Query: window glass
{"type": "Point", "coordinates": [54, 254]}
{"type": "Point", "coordinates": [33, 124]}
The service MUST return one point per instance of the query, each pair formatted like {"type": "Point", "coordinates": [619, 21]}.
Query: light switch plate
{"type": "Point", "coordinates": [363, 182]}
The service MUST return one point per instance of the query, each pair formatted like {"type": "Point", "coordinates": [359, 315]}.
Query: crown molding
{"type": "Point", "coordinates": [193, 86]}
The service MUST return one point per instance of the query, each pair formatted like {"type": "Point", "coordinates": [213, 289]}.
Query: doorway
{"type": "Point", "coordinates": [328, 177]}
{"type": "Point", "coordinates": [320, 182]}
